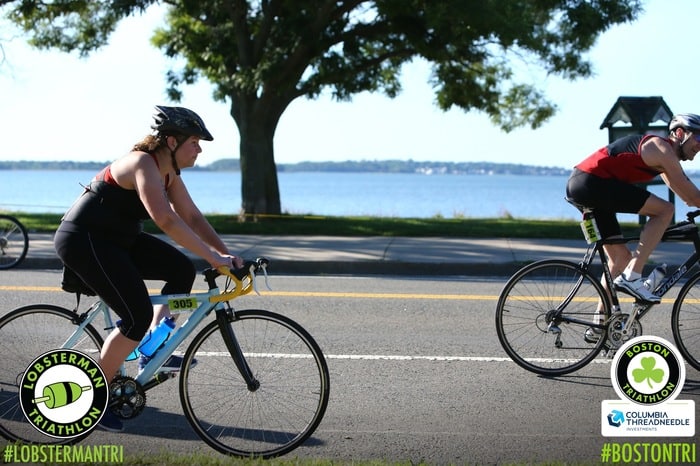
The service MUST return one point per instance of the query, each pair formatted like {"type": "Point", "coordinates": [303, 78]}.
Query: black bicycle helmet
{"type": "Point", "coordinates": [179, 120]}
{"type": "Point", "coordinates": [687, 121]}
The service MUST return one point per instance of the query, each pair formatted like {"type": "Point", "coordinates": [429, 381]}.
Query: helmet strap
{"type": "Point", "coordinates": [688, 135]}
{"type": "Point", "coordinates": [172, 155]}
{"type": "Point", "coordinates": [177, 169]}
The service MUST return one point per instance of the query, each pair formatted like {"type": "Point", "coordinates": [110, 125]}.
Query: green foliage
{"type": "Point", "coordinates": [286, 49]}
{"type": "Point", "coordinates": [261, 55]}
{"type": "Point", "coordinates": [82, 25]}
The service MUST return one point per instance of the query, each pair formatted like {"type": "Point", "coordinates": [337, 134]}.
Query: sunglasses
{"type": "Point", "coordinates": [696, 137]}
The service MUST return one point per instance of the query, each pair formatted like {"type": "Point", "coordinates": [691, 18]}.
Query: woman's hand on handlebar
{"type": "Point", "coordinates": [237, 261]}
{"type": "Point", "coordinates": [226, 260]}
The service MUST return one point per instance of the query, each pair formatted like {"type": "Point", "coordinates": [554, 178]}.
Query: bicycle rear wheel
{"type": "Point", "coordinates": [685, 321]}
{"type": "Point", "coordinates": [25, 334]}
{"type": "Point", "coordinates": [271, 420]}
{"type": "Point", "coordinates": [14, 242]}
{"type": "Point", "coordinates": [543, 314]}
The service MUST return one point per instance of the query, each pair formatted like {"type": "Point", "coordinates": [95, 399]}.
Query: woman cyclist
{"type": "Point", "coordinates": [607, 181]}
{"type": "Point", "coordinates": [101, 237]}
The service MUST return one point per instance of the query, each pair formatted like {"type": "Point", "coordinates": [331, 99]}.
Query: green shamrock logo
{"type": "Point", "coordinates": [648, 372]}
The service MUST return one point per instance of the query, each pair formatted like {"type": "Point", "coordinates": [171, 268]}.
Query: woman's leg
{"type": "Point", "coordinates": [109, 270]}
{"type": "Point", "coordinates": [158, 260]}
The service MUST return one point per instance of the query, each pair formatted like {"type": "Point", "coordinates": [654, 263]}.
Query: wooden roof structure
{"type": "Point", "coordinates": [639, 113]}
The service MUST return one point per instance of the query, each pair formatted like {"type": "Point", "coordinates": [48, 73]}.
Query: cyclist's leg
{"type": "Point", "coordinates": [598, 194]}
{"type": "Point", "coordinates": [107, 268]}
{"type": "Point", "coordinates": [618, 255]}
{"type": "Point", "coordinates": [660, 213]}
{"type": "Point", "coordinates": [157, 260]}
{"type": "Point", "coordinates": [617, 196]}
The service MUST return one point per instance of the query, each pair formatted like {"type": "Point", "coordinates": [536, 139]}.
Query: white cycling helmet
{"type": "Point", "coordinates": [687, 121]}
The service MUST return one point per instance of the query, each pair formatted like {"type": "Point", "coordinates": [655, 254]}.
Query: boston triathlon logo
{"type": "Point", "coordinates": [648, 371]}
{"type": "Point", "coordinates": [63, 393]}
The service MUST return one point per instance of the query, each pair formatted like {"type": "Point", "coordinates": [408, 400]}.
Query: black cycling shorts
{"type": "Point", "coordinates": [117, 273]}
{"type": "Point", "coordinates": [607, 197]}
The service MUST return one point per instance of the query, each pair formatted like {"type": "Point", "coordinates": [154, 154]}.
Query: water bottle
{"type": "Point", "coordinates": [156, 337]}
{"type": "Point", "coordinates": [153, 339]}
{"type": "Point", "coordinates": [655, 277]}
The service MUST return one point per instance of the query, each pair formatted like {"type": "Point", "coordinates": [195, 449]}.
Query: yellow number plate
{"type": "Point", "coordinates": [182, 304]}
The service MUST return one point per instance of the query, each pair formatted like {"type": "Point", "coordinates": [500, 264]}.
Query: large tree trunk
{"type": "Point", "coordinates": [260, 192]}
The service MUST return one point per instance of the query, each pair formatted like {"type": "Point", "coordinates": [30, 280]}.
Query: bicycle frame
{"type": "Point", "coordinates": [211, 300]}
{"type": "Point", "coordinates": [640, 309]}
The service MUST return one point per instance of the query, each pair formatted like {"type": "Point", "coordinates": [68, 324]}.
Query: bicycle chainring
{"type": "Point", "coordinates": [126, 397]}
{"type": "Point", "coordinates": [619, 332]}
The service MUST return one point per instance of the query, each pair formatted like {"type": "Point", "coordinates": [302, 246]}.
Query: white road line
{"type": "Point", "coordinates": [388, 357]}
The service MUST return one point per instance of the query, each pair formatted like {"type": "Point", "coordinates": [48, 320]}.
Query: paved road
{"type": "Point", "coordinates": [417, 374]}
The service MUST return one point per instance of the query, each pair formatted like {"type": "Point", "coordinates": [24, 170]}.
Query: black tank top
{"type": "Point", "coordinates": [107, 209]}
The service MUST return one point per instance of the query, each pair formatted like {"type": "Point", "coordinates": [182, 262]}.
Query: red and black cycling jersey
{"type": "Point", "coordinates": [621, 160]}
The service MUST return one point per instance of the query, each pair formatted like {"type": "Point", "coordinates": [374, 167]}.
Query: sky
{"type": "Point", "coordinates": [57, 106]}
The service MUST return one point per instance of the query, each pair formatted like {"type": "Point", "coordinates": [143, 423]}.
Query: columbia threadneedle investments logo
{"type": "Point", "coordinates": [648, 374]}
{"type": "Point", "coordinates": [63, 393]}
{"type": "Point", "coordinates": [616, 418]}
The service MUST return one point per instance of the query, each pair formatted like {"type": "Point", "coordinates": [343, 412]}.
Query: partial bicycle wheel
{"type": "Point", "coordinates": [281, 413]}
{"type": "Point", "coordinates": [14, 242]}
{"type": "Point", "coordinates": [545, 314]}
{"type": "Point", "coordinates": [685, 321]}
{"type": "Point", "coordinates": [25, 334]}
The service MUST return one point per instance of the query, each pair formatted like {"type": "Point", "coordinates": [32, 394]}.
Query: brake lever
{"type": "Point", "coordinates": [263, 266]}
{"type": "Point", "coordinates": [259, 264]}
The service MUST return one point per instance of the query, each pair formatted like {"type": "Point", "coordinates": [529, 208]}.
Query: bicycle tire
{"type": "Point", "coordinates": [685, 321]}
{"type": "Point", "coordinates": [14, 242]}
{"type": "Point", "coordinates": [277, 417]}
{"type": "Point", "coordinates": [25, 334]}
{"type": "Point", "coordinates": [525, 311]}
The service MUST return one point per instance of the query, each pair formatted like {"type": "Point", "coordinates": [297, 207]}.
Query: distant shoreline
{"type": "Point", "coordinates": [363, 166]}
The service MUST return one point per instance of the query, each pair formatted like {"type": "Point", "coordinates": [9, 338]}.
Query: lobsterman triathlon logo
{"type": "Point", "coordinates": [63, 393]}
{"type": "Point", "coordinates": [648, 374]}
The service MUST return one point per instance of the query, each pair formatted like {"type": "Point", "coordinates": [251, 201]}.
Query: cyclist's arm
{"type": "Point", "coordinates": [147, 181]}
{"type": "Point", "coordinates": [660, 155]}
{"type": "Point", "coordinates": [185, 207]}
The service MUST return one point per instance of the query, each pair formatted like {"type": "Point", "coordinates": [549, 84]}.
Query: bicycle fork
{"type": "Point", "coordinates": [223, 318]}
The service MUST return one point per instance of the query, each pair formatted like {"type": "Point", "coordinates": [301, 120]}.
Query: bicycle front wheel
{"type": "Point", "coordinates": [685, 321]}
{"type": "Point", "coordinates": [274, 418]}
{"type": "Point", "coordinates": [14, 242]}
{"type": "Point", "coordinates": [545, 314]}
{"type": "Point", "coordinates": [25, 334]}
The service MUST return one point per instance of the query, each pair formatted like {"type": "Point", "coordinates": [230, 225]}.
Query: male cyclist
{"type": "Point", "coordinates": [607, 180]}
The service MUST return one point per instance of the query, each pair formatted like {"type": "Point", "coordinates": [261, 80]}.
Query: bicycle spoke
{"type": "Point", "coordinates": [268, 421]}
{"type": "Point", "coordinates": [25, 334]}
{"type": "Point", "coordinates": [543, 315]}
{"type": "Point", "coordinates": [685, 321]}
{"type": "Point", "coordinates": [14, 242]}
